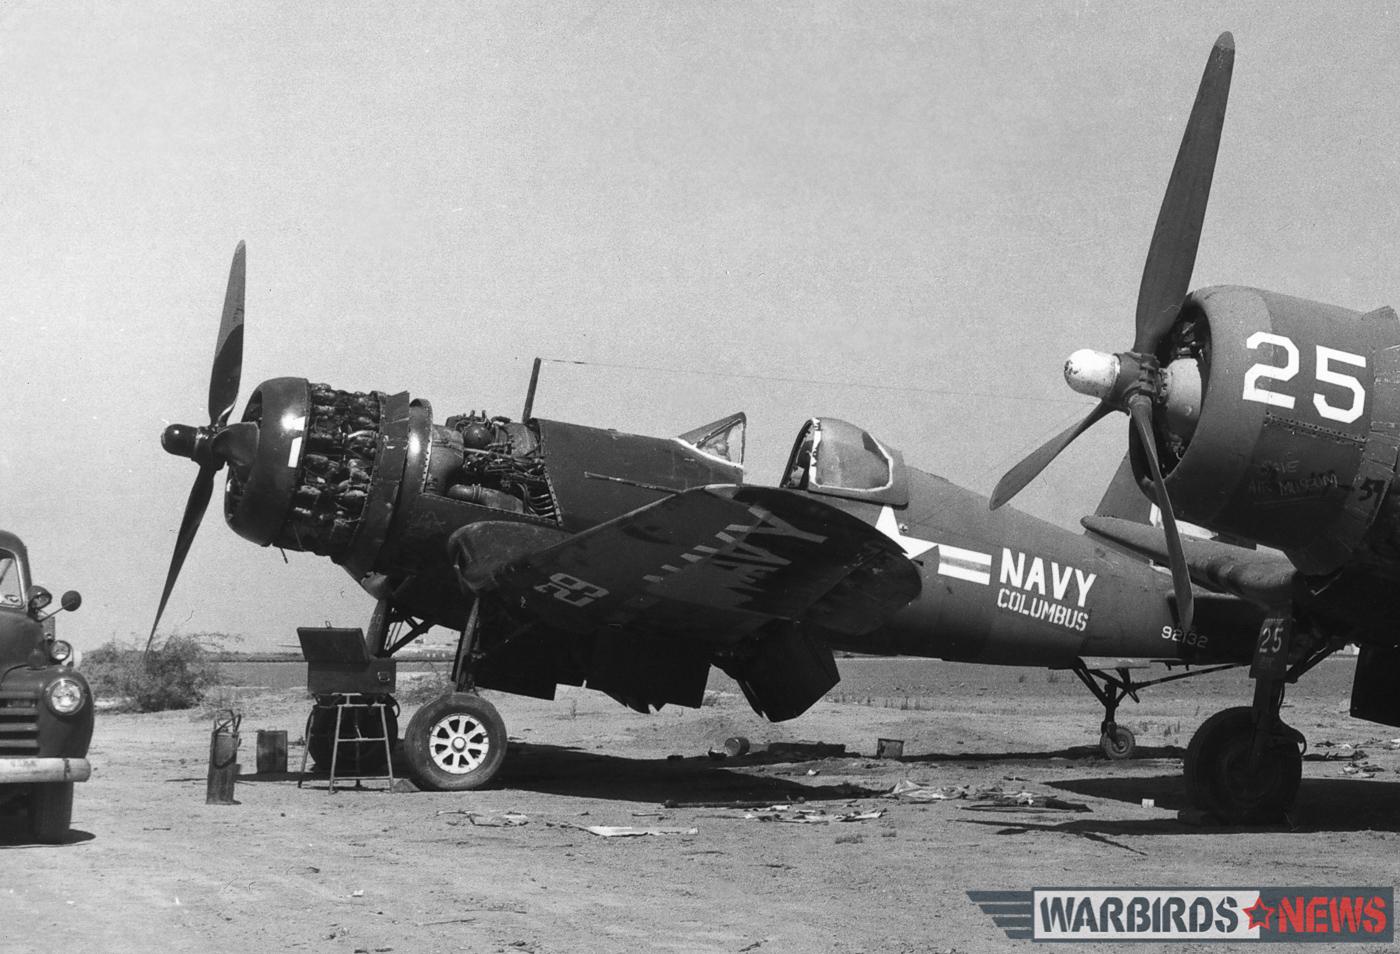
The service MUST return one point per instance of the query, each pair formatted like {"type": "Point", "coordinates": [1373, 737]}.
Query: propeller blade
{"type": "Point", "coordinates": [1166, 275]}
{"type": "Point", "coordinates": [198, 502]}
{"type": "Point", "coordinates": [228, 352]}
{"type": "Point", "coordinates": [1140, 408]}
{"type": "Point", "coordinates": [1015, 479]}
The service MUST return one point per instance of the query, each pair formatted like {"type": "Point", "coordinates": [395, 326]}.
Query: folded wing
{"type": "Point", "coordinates": [749, 576]}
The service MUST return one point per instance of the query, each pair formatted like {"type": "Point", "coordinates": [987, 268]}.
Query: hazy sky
{"type": "Point", "coordinates": [903, 214]}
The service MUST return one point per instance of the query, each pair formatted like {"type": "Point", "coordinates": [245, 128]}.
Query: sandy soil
{"type": "Point", "coordinates": [151, 867]}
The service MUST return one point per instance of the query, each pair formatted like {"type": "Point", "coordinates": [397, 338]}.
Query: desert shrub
{"type": "Point", "coordinates": [174, 675]}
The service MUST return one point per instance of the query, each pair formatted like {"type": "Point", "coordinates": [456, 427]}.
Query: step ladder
{"type": "Point", "coordinates": [350, 731]}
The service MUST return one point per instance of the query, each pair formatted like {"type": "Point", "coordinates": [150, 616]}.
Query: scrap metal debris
{"type": "Point", "coordinates": [810, 816]}
{"type": "Point", "coordinates": [1332, 751]}
{"type": "Point", "coordinates": [907, 790]}
{"type": "Point", "coordinates": [501, 820]}
{"type": "Point", "coordinates": [629, 831]}
{"type": "Point", "coordinates": [1365, 769]}
{"type": "Point", "coordinates": [993, 798]}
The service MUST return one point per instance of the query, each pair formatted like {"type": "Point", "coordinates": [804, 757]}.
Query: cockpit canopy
{"type": "Point", "coordinates": [839, 459]}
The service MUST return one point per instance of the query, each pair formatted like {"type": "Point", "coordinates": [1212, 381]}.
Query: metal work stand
{"type": "Point", "coordinates": [344, 702]}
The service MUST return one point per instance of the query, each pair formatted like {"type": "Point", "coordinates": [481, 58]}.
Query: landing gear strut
{"type": "Point", "coordinates": [1116, 741]}
{"type": "Point", "coordinates": [1244, 764]}
{"type": "Point", "coordinates": [457, 742]}
{"type": "Point", "coordinates": [1226, 778]}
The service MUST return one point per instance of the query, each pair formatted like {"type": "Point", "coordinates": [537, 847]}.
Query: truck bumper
{"type": "Point", "coordinates": [17, 771]}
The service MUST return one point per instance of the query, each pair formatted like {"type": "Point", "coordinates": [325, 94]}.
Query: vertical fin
{"type": "Point", "coordinates": [1123, 499]}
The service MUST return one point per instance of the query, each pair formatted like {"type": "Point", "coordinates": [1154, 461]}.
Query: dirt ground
{"type": "Point", "coordinates": [151, 867]}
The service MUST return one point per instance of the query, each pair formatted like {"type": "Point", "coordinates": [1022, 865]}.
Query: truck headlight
{"type": "Point", "coordinates": [65, 695]}
{"type": "Point", "coordinates": [60, 651]}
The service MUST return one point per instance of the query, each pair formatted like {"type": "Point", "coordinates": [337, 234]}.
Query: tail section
{"type": "Point", "coordinates": [1123, 499]}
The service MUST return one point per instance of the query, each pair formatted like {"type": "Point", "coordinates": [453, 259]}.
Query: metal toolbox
{"type": "Point", "coordinates": [337, 661]}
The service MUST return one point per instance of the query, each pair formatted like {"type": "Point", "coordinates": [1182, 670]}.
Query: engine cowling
{"type": "Point", "coordinates": [1294, 440]}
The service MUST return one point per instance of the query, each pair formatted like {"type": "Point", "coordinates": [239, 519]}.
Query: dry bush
{"type": "Point", "coordinates": [174, 675]}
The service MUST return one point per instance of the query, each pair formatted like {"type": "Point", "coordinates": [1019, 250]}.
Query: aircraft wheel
{"type": "Point", "coordinates": [355, 758]}
{"type": "Point", "coordinates": [455, 743]}
{"type": "Point", "coordinates": [1118, 743]}
{"type": "Point", "coordinates": [51, 811]}
{"type": "Point", "coordinates": [1223, 778]}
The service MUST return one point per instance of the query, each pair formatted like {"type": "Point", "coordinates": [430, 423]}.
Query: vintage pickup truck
{"type": "Point", "coordinates": [46, 710]}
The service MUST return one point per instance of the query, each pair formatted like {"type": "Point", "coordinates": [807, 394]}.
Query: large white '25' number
{"type": "Point", "coordinates": [1326, 356]}
{"type": "Point", "coordinates": [1326, 374]}
{"type": "Point", "coordinates": [1252, 390]}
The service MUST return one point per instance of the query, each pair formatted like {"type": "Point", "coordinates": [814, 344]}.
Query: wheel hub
{"type": "Point", "coordinates": [458, 744]}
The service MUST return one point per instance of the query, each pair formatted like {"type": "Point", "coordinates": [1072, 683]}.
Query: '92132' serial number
{"type": "Point", "coordinates": [1179, 636]}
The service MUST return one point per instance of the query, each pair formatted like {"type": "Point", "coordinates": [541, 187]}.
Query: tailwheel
{"type": "Point", "coordinates": [455, 743]}
{"type": "Point", "coordinates": [1225, 778]}
{"type": "Point", "coordinates": [1117, 742]}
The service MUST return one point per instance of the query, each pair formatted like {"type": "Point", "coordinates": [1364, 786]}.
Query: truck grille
{"type": "Point", "coordinates": [19, 722]}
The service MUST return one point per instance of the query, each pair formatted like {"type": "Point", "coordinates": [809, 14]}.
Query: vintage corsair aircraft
{"type": "Point", "coordinates": [1273, 422]}
{"type": "Point", "coordinates": [566, 554]}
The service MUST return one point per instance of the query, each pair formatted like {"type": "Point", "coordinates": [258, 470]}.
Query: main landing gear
{"type": "Point", "coordinates": [1244, 764]}
{"type": "Point", "coordinates": [457, 741]}
{"type": "Point", "coordinates": [1116, 741]}
{"type": "Point", "coordinates": [453, 743]}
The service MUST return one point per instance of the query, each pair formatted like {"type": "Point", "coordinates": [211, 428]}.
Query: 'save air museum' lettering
{"type": "Point", "coordinates": [1050, 592]}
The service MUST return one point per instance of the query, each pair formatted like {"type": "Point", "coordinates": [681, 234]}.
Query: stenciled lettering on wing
{"type": "Point", "coordinates": [733, 550]}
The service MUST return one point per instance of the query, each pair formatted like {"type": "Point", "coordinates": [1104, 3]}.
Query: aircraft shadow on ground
{"type": "Point", "coordinates": [1322, 805]}
{"type": "Point", "coordinates": [1076, 753]}
{"type": "Point", "coordinates": [562, 770]}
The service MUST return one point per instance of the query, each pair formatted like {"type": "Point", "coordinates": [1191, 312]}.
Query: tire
{"type": "Point", "coordinates": [1222, 778]}
{"type": "Point", "coordinates": [355, 758]}
{"type": "Point", "coordinates": [455, 743]}
{"type": "Point", "coordinates": [1118, 743]}
{"type": "Point", "coordinates": [51, 811]}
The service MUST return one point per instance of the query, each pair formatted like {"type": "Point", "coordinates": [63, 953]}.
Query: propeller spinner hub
{"type": "Point", "coordinates": [1093, 372]}
{"type": "Point", "coordinates": [192, 443]}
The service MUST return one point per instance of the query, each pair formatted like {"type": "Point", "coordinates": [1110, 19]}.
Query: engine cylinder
{"type": "Point", "coordinates": [308, 483]}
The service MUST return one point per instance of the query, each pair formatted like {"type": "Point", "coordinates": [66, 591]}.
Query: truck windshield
{"type": "Point", "coordinates": [10, 584]}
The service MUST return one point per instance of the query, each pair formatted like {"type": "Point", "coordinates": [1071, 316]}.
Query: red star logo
{"type": "Point", "coordinates": [1259, 914]}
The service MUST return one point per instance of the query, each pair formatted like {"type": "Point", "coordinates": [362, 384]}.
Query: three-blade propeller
{"type": "Point", "coordinates": [219, 443]}
{"type": "Point", "coordinates": [1131, 381]}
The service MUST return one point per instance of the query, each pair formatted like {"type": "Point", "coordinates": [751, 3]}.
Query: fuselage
{"type": "Point", "coordinates": [1006, 588]}
{"type": "Point", "coordinates": [369, 480]}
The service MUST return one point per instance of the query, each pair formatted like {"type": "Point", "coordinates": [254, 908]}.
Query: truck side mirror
{"type": "Point", "coordinates": [71, 600]}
